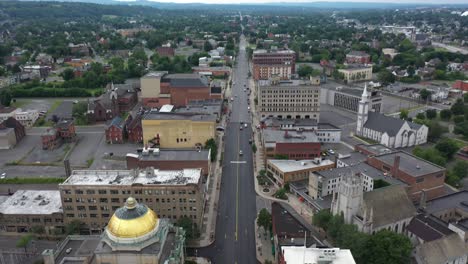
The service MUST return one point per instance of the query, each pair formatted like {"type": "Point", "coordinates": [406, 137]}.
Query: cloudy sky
{"type": "Point", "coordinates": [270, 1]}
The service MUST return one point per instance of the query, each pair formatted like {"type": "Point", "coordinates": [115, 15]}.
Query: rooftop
{"type": "Point", "coordinates": [180, 116]}
{"type": "Point", "coordinates": [186, 80]}
{"type": "Point", "coordinates": [287, 83]}
{"type": "Point", "coordinates": [148, 176]}
{"type": "Point", "coordinates": [33, 202]}
{"type": "Point", "coordinates": [157, 74]}
{"type": "Point", "coordinates": [457, 200]}
{"type": "Point", "coordinates": [352, 158]}
{"type": "Point", "coordinates": [428, 228]}
{"type": "Point", "coordinates": [410, 164]}
{"type": "Point", "coordinates": [357, 53]}
{"type": "Point", "coordinates": [441, 250]}
{"type": "Point", "coordinates": [173, 154]}
{"type": "Point", "coordinates": [387, 124]}
{"type": "Point", "coordinates": [263, 51]}
{"type": "Point", "coordinates": [279, 136]}
{"type": "Point", "coordinates": [375, 149]}
{"type": "Point", "coordinates": [7, 110]}
{"type": "Point", "coordinates": [300, 255]}
{"type": "Point", "coordinates": [293, 123]}
{"type": "Point", "coordinates": [295, 165]}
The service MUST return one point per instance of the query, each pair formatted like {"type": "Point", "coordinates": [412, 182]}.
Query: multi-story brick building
{"type": "Point", "coordinates": [293, 145]}
{"type": "Point", "coordinates": [53, 138]}
{"type": "Point", "coordinates": [66, 130]}
{"type": "Point", "coordinates": [92, 196]}
{"type": "Point", "coordinates": [420, 175]}
{"type": "Point", "coordinates": [356, 73]}
{"type": "Point", "coordinates": [219, 71]}
{"type": "Point", "coordinates": [170, 159]}
{"type": "Point", "coordinates": [285, 171]}
{"type": "Point", "coordinates": [165, 51]}
{"type": "Point", "coordinates": [160, 88]}
{"type": "Point", "coordinates": [289, 99]}
{"type": "Point", "coordinates": [135, 130]}
{"type": "Point", "coordinates": [32, 211]}
{"type": "Point", "coordinates": [116, 100]}
{"type": "Point", "coordinates": [115, 131]}
{"type": "Point", "coordinates": [359, 57]}
{"type": "Point", "coordinates": [267, 64]}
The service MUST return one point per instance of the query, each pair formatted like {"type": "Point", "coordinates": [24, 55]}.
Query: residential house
{"type": "Point", "coordinates": [165, 51]}
{"type": "Point", "coordinates": [115, 131]}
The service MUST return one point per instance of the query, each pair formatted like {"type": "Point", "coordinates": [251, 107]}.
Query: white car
{"type": "Point", "coordinates": [240, 153]}
{"type": "Point", "coordinates": [232, 99]}
{"type": "Point", "coordinates": [248, 108]}
{"type": "Point", "coordinates": [331, 151]}
{"type": "Point", "coordinates": [245, 125]}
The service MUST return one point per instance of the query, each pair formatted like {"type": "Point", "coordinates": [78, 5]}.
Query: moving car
{"type": "Point", "coordinates": [241, 127]}
{"type": "Point", "coordinates": [245, 125]}
{"type": "Point", "coordinates": [240, 153]}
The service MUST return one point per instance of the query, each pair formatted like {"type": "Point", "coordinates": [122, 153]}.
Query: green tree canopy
{"type": "Point", "coordinates": [445, 114]}
{"type": "Point", "coordinates": [5, 97]}
{"type": "Point", "coordinates": [431, 113]}
{"type": "Point", "coordinates": [386, 77]}
{"type": "Point", "coordinates": [264, 219]}
{"type": "Point", "coordinates": [447, 147]}
{"type": "Point", "coordinates": [387, 247]}
{"type": "Point", "coordinates": [404, 114]}
{"type": "Point", "coordinates": [458, 107]}
{"type": "Point", "coordinates": [191, 229]}
{"type": "Point", "coordinates": [425, 94]}
{"type": "Point", "coordinates": [67, 74]}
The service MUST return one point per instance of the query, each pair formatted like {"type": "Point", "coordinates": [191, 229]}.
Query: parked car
{"type": "Point", "coordinates": [331, 151]}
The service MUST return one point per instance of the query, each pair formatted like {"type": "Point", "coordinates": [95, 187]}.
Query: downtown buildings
{"type": "Point", "coordinates": [269, 63]}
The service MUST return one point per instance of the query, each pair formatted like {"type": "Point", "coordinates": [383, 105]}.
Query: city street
{"type": "Point", "coordinates": [235, 239]}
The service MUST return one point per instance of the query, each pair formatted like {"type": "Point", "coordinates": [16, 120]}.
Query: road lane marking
{"type": "Point", "coordinates": [237, 188]}
{"type": "Point", "coordinates": [238, 161]}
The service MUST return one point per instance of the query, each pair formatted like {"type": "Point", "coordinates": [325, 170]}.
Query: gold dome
{"type": "Point", "coordinates": [132, 221]}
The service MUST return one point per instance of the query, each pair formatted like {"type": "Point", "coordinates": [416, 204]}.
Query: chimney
{"type": "Point", "coordinates": [396, 166]}
{"type": "Point", "coordinates": [422, 201]}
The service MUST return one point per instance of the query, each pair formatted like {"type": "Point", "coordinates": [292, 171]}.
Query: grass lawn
{"type": "Point", "coordinates": [21, 102]}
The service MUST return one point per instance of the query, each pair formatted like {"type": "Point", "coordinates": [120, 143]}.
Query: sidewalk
{"type": "Point", "coordinates": [263, 245]}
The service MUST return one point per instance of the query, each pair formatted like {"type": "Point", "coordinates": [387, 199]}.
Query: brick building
{"type": "Point", "coordinates": [115, 131]}
{"type": "Point", "coordinates": [115, 101]}
{"type": "Point", "coordinates": [160, 88]}
{"type": "Point", "coordinates": [294, 145]}
{"type": "Point", "coordinates": [66, 130]}
{"type": "Point", "coordinates": [460, 85]}
{"type": "Point", "coordinates": [420, 175]}
{"type": "Point", "coordinates": [170, 159]}
{"type": "Point", "coordinates": [134, 130]}
{"type": "Point", "coordinates": [359, 57]}
{"type": "Point", "coordinates": [165, 51]}
{"type": "Point", "coordinates": [92, 196]}
{"type": "Point", "coordinates": [220, 71]}
{"type": "Point", "coordinates": [53, 138]}
{"type": "Point", "coordinates": [285, 171]}
{"type": "Point", "coordinates": [30, 210]}
{"type": "Point", "coordinates": [267, 64]}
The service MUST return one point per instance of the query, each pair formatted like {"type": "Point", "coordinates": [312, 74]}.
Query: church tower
{"type": "Point", "coordinates": [348, 197]}
{"type": "Point", "coordinates": [363, 111]}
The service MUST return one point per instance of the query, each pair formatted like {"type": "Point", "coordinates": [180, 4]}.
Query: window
{"type": "Point", "coordinates": [114, 191]}
{"type": "Point", "coordinates": [90, 191]}
{"type": "Point", "coordinates": [103, 200]}
{"type": "Point", "coordinates": [115, 200]}
{"type": "Point", "coordinates": [78, 192]}
{"type": "Point", "coordinates": [102, 191]}
{"type": "Point", "coordinates": [92, 208]}
{"type": "Point", "coordinates": [420, 179]}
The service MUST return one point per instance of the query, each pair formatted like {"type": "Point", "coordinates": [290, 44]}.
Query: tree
{"type": "Point", "coordinates": [74, 227]}
{"type": "Point", "coordinates": [211, 144]}
{"type": "Point", "coordinates": [5, 98]}
{"type": "Point", "coordinates": [254, 148]}
{"type": "Point", "coordinates": [431, 113]}
{"type": "Point", "coordinates": [465, 97]}
{"type": "Point", "coordinates": [447, 147]}
{"type": "Point", "coordinates": [207, 46]}
{"type": "Point", "coordinates": [458, 107]}
{"type": "Point", "coordinates": [421, 116]}
{"type": "Point", "coordinates": [387, 247]}
{"type": "Point", "coordinates": [460, 169]}
{"type": "Point", "coordinates": [322, 219]}
{"type": "Point", "coordinates": [435, 131]}
{"type": "Point", "coordinates": [190, 228]}
{"type": "Point", "coordinates": [281, 194]}
{"type": "Point", "coordinates": [445, 114]}
{"type": "Point", "coordinates": [264, 219]}
{"type": "Point", "coordinates": [24, 241]}
{"type": "Point", "coordinates": [67, 74]}
{"type": "Point", "coordinates": [424, 94]}
{"type": "Point", "coordinates": [386, 77]}
{"type": "Point", "coordinates": [461, 128]}
{"type": "Point", "coordinates": [404, 114]}
{"type": "Point", "coordinates": [304, 70]}
{"type": "Point", "coordinates": [430, 154]}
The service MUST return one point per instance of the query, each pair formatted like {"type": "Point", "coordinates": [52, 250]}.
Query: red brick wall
{"type": "Point", "coordinates": [133, 163]}
{"type": "Point", "coordinates": [433, 185]}
{"type": "Point", "coordinates": [135, 135]}
{"type": "Point", "coordinates": [156, 102]}
{"type": "Point", "coordinates": [181, 96]}
{"type": "Point", "coordinates": [298, 150]}
{"type": "Point", "coordinates": [114, 135]}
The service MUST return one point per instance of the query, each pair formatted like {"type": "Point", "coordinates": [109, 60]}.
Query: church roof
{"type": "Point", "coordinates": [390, 204]}
{"type": "Point", "coordinates": [442, 250]}
{"type": "Point", "coordinates": [386, 124]}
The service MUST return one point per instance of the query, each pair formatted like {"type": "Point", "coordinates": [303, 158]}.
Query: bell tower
{"type": "Point", "coordinates": [363, 111]}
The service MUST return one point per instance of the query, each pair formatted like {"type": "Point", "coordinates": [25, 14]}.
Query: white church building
{"type": "Point", "coordinates": [389, 131]}
{"type": "Point", "coordinates": [383, 208]}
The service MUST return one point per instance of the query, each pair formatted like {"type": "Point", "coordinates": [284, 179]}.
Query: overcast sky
{"type": "Point", "coordinates": [270, 1]}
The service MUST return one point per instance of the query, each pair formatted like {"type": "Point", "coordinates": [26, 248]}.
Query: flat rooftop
{"type": "Point", "coordinates": [363, 168]}
{"type": "Point", "coordinates": [173, 154]}
{"type": "Point", "coordinates": [457, 200]}
{"type": "Point", "coordinates": [130, 177]}
{"type": "Point", "coordinates": [297, 255]}
{"type": "Point", "coordinates": [279, 136]}
{"type": "Point", "coordinates": [286, 83]}
{"type": "Point", "coordinates": [376, 149]}
{"type": "Point", "coordinates": [296, 165]}
{"type": "Point", "coordinates": [410, 164]}
{"type": "Point", "coordinates": [352, 158]}
{"type": "Point", "coordinates": [32, 202]}
{"type": "Point", "coordinates": [293, 123]}
{"type": "Point", "coordinates": [82, 247]}
{"type": "Point", "coordinates": [264, 51]}
{"type": "Point", "coordinates": [179, 116]}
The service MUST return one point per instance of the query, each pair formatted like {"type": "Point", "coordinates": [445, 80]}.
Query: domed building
{"type": "Point", "coordinates": [134, 234]}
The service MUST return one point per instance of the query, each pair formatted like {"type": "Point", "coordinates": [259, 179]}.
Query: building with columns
{"type": "Point", "coordinates": [389, 131]}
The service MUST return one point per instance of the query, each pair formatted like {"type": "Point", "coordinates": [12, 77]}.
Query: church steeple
{"type": "Point", "coordinates": [363, 111]}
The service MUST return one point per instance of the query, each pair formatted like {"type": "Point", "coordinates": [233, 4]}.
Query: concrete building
{"type": "Point", "coordinates": [32, 211]}
{"type": "Point", "coordinates": [170, 159]}
{"type": "Point", "coordinates": [293, 145]}
{"type": "Point", "coordinates": [389, 131]}
{"type": "Point", "coordinates": [92, 196]}
{"type": "Point", "coordinates": [301, 255]}
{"type": "Point", "coordinates": [11, 122]}
{"type": "Point", "coordinates": [267, 64]}
{"type": "Point", "coordinates": [7, 112]}
{"type": "Point", "coordinates": [325, 132]}
{"type": "Point", "coordinates": [285, 171]}
{"type": "Point", "coordinates": [299, 99]}
{"type": "Point", "coordinates": [355, 73]}
{"type": "Point", "coordinates": [160, 88]}
{"type": "Point", "coordinates": [218, 71]}
{"type": "Point", "coordinates": [348, 98]}
{"type": "Point", "coordinates": [178, 130]}
{"type": "Point", "coordinates": [384, 208]}
{"type": "Point", "coordinates": [134, 234]}
{"type": "Point", "coordinates": [326, 182]}
{"type": "Point", "coordinates": [359, 57]}
{"type": "Point", "coordinates": [7, 138]}
{"type": "Point", "coordinates": [420, 175]}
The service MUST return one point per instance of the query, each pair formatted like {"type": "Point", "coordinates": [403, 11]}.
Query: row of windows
{"type": "Point", "coordinates": [125, 192]}
{"type": "Point", "coordinates": [120, 201]}
{"type": "Point", "coordinates": [290, 91]}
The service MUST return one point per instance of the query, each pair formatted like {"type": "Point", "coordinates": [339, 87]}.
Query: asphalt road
{"type": "Point", "coordinates": [235, 238]}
